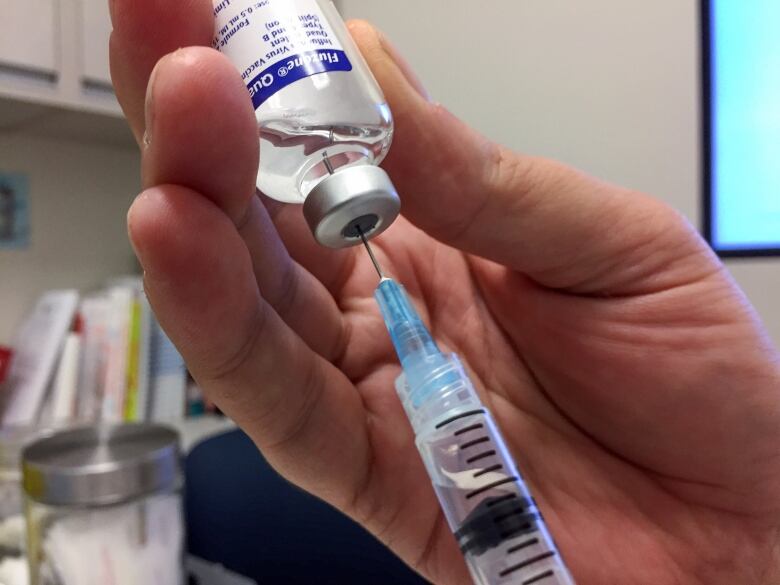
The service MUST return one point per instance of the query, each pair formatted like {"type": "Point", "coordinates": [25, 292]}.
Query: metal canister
{"type": "Point", "coordinates": [103, 506]}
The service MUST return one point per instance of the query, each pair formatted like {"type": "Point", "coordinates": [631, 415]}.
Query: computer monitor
{"type": "Point", "coordinates": [741, 91]}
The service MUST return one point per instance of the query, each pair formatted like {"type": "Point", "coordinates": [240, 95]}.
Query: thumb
{"type": "Point", "coordinates": [560, 227]}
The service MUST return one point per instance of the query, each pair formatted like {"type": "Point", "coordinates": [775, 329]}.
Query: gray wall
{"type": "Point", "coordinates": [79, 197]}
{"type": "Point", "coordinates": [610, 86]}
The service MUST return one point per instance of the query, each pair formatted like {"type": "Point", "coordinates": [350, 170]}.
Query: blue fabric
{"type": "Point", "coordinates": [243, 515]}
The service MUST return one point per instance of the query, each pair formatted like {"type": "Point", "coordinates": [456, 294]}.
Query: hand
{"type": "Point", "coordinates": [632, 380]}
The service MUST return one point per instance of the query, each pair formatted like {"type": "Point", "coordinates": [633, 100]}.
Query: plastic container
{"type": "Point", "coordinates": [323, 122]}
{"type": "Point", "coordinates": [103, 505]}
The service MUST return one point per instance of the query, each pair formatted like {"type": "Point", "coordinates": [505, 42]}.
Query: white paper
{"type": "Point", "coordinates": [37, 345]}
{"type": "Point", "coordinates": [65, 384]}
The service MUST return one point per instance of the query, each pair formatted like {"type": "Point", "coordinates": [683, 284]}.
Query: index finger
{"type": "Point", "coordinates": [144, 31]}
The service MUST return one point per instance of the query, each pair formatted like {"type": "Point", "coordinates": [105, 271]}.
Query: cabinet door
{"type": "Point", "coordinates": [96, 30]}
{"type": "Point", "coordinates": [29, 35]}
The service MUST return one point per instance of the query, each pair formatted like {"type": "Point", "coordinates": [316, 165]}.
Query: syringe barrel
{"type": "Point", "coordinates": [495, 520]}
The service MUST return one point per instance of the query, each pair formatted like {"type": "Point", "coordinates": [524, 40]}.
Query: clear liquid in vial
{"type": "Point", "coordinates": [339, 114]}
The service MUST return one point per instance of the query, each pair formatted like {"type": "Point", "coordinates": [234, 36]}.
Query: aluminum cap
{"type": "Point", "coordinates": [96, 466]}
{"type": "Point", "coordinates": [351, 200]}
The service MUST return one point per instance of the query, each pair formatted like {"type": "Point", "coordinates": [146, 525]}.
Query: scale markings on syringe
{"type": "Point", "coordinates": [504, 525]}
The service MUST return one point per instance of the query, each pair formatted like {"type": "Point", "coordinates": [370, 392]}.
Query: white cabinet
{"type": "Point", "coordinates": [96, 31]}
{"type": "Point", "coordinates": [29, 37]}
{"type": "Point", "coordinates": [55, 53]}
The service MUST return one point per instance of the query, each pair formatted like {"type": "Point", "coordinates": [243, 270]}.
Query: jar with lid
{"type": "Point", "coordinates": [103, 505]}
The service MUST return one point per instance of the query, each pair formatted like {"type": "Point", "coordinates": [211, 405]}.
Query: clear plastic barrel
{"type": "Point", "coordinates": [492, 514]}
{"type": "Point", "coordinates": [333, 114]}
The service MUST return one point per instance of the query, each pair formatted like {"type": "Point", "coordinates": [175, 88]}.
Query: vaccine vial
{"type": "Point", "coordinates": [323, 122]}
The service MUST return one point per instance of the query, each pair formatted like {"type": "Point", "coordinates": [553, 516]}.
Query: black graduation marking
{"type": "Point", "coordinates": [492, 520]}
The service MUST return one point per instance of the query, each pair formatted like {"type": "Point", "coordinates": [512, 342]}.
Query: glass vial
{"type": "Point", "coordinates": [323, 122]}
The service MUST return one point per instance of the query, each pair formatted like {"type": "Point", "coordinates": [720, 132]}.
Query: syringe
{"type": "Point", "coordinates": [489, 508]}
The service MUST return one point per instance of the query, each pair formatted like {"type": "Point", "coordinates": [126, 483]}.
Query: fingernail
{"type": "Point", "coordinates": [404, 66]}
{"type": "Point", "coordinates": [362, 28]}
{"type": "Point", "coordinates": [131, 235]}
{"type": "Point", "coordinates": [149, 107]}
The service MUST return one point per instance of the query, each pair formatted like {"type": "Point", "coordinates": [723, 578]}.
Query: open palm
{"type": "Point", "coordinates": [635, 387]}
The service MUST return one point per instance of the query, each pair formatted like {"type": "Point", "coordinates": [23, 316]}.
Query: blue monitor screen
{"type": "Point", "coordinates": [742, 125]}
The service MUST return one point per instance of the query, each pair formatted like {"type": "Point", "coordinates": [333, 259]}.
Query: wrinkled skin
{"type": "Point", "coordinates": [629, 375]}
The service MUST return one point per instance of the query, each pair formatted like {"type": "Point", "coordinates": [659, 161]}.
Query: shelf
{"type": "Point", "coordinates": [19, 116]}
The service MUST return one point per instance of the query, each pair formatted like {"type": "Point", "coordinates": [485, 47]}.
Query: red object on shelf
{"type": "Point", "coordinates": [6, 353]}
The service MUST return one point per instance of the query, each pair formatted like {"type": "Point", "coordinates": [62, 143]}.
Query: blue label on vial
{"type": "Point", "coordinates": [283, 73]}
